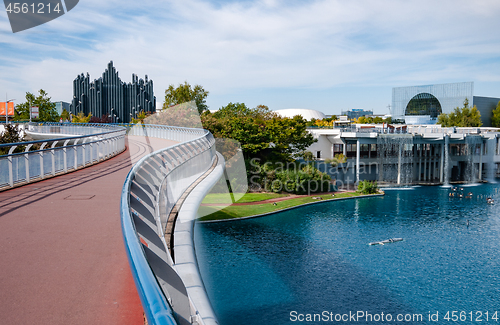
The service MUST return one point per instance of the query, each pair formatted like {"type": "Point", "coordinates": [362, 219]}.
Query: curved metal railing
{"type": "Point", "coordinates": [84, 145]}
{"type": "Point", "coordinates": [149, 196]}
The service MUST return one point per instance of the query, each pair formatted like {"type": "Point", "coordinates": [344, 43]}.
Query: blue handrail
{"type": "Point", "coordinates": [156, 307]}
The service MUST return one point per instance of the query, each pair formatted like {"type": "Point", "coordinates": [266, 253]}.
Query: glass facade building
{"type": "Point", "coordinates": [422, 104]}
{"type": "Point", "coordinates": [448, 96]}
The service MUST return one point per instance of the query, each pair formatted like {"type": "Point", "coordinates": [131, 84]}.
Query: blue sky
{"type": "Point", "coordinates": [329, 55]}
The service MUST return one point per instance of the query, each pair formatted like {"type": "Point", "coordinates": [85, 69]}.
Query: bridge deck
{"type": "Point", "coordinates": [62, 257]}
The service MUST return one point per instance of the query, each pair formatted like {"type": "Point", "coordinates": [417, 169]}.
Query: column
{"type": "Point", "coordinates": [420, 163]}
{"type": "Point", "coordinates": [480, 176]}
{"type": "Point", "coordinates": [357, 161]}
{"type": "Point", "coordinates": [441, 169]}
{"type": "Point", "coordinates": [399, 163]}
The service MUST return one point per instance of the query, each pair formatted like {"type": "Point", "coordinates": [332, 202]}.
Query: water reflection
{"type": "Point", "coordinates": [317, 258]}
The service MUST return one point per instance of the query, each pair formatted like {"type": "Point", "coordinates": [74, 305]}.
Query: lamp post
{"type": "Point", "coordinates": [7, 108]}
{"type": "Point", "coordinates": [111, 115]}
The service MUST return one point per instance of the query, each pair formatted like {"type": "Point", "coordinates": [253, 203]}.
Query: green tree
{"type": "Point", "coordinates": [185, 93]}
{"type": "Point", "coordinates": [461, 117]}
{"type": "Point", "coordinates": [289, 136]}
{"type": "Point", "coordinates": [495, 118]}
{"type": "Point", "coordinates": [238, 122]}
{"type": "Point", "coordinates": [261, 132]}
{"type": "Point", "coordinates": [65, 115]}
{"type": "Point", "coordinates": [46, 108]}
{"type": "Point", "coordinates": [307, 156]}
{"type": "Point", "coordinates": [11, 134]}
{"type": "Point", "coordinates": [140, 117]}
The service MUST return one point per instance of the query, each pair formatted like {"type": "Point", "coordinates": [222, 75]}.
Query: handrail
{"type": "Point", "coordinates": [146, 201]}
{"type": "Point", "coordinates": [114, 129]}
{"type": "Point", "coordinates": [155, 306]}
{"type": "Point", "coordinates": [35, 163]}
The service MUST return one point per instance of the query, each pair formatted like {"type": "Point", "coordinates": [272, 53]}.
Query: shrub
{"type": "Point", "coordinates": [367, 187]}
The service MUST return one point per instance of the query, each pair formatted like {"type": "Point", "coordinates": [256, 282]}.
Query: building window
{"type": "Point", "coordinates": [318, 154]}
{"type": "Point", "coordinates": [351, 150]}
{"type": "Point", "coordinates": [424, 104]}
{"type": "Point", "coordinates": [338, 148]}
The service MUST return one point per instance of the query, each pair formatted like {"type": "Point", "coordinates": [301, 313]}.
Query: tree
{"type": "Point", "coordinates": [238, 122]}
{"type": "Point", "coordinates": [289, 136]}
{"type": "Point", "coordinates": [81, 118]}
{"type": "Point", "coordinates": [46, 108]}
{"type": "Point", "coordinates": [461, 117]}
{"type": "Point", "coordinates": [184, 93]}
{"type": "Point", "coordinates": [184, 115]}
{"type": "Point", "coordinates": [140, 117]}
{"type": "Point", "coordinates": [65, 115]}
{"type": "Point", "coordinates": [495, 118]}
{"type": "Point", "coordinates": [105, 118]}
{"type": "Point", "coordinates": [261, 132]}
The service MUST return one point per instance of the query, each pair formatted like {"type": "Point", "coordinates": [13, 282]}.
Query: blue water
{"type": "Point", "coordinates": [316, 258]}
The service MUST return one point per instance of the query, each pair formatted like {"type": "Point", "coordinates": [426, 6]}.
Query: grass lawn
{"type": "Point", "coordinates": [239, 211]}
{"type": "Point", "coordinates": [248, 197]}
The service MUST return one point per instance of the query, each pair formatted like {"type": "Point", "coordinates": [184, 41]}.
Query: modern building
{"type": "Point", "coordinates": [60, 106]}
{"type": "Point", "coordinates": [110, 96]}
{"type": "Point", "coordinates": [423, 104]}
{"type": "Point", "coordinates": [356, 113]}
{"type": "Point", "coordinates": [307, 114]}
{"type": "Point", "coordinates": [409, 154]}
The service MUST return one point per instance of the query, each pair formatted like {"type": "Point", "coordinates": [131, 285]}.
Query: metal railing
{"type": "Point", "coordinates": [150, 193]}
{"type": "Point", "coordinates": [25, 162]}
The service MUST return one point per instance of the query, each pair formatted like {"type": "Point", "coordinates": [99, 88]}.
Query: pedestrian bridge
{"type": "Point", "coordinates": [172, 169]}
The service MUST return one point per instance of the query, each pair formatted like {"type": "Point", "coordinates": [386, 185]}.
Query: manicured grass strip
{"type": "Point", "coordinates": [239, 211]}
{"type": "Point", "coordinates": [248, 197]}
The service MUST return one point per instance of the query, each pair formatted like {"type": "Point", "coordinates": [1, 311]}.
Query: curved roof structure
{"type": "Point", "coordinates": [307, 114]}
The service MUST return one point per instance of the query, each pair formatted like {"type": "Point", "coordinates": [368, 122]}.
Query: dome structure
{"type": "Point", "coordinates": [307, 114]}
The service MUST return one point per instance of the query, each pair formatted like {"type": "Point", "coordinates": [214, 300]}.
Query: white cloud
{"type": "Point", "coordinates": [258, 44]}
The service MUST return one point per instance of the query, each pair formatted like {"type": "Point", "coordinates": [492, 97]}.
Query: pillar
{"type": "Point", "coordinates": [420, 163]}
{"type": "Point", "coordinates": [480, 176]}
{"type": "Point", "coordinates": [441, 167]}
{"type": "Point", "coordinates": [399, 163]}
{"type": "Point", "coordinates": [357, 161]}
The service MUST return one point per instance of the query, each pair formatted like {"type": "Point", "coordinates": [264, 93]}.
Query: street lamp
{"type": "Point", "coordinates": [7, 108]}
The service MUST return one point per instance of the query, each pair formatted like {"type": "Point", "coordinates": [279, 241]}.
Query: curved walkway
{"type": "Point", "coordinates": [62, 257]}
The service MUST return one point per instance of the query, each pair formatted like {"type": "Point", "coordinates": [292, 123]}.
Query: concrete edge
{"type": "Point", "coordinates": [186, 263]}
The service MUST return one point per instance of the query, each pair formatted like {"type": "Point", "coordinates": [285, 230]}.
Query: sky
{"type": "Point", "coordinates": [327, 55]}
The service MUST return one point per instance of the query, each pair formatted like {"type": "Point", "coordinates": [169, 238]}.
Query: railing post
{"type": "Point", "coordinates": [52, 151]}
{"type": "Point", "coordinates": [27, 162]}
{"type": "Point", "coordinates": [83, 152]}
{"type": "Point", "coordinates": [42, 173]}
{"type": "Point", "coordinates": [76, 153]}
{"type": "Point", "coordinates": [91, 156]}
{"type": "Point", "coordinates": [65, 156]}
{"type": "Point", "coordinates": [11, 170]}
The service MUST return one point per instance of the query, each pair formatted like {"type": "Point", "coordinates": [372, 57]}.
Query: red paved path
{"type": "Point", "coordinates": [62, 257]}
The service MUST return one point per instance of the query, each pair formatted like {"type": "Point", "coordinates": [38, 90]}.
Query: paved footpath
{"type": "Point", "coordinates": [62, 257]}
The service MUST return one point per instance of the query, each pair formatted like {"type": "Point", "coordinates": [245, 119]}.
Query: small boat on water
{"type": "Point", "coordinates": [387, 241]}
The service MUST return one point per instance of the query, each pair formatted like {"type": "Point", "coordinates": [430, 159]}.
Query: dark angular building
{"type": "Point", "coordinates": [110, 96]}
